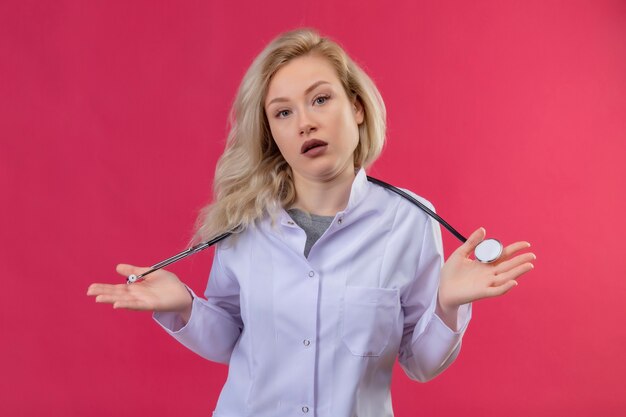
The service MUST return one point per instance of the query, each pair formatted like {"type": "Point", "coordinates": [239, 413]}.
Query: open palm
{"type": "Point", "coordinates": [158, 291]}
{"type": "Point", "coordinates": [464, 280]}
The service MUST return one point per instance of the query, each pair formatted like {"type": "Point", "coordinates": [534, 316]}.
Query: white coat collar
{"type": "Point", "coordinates": [358, 192]}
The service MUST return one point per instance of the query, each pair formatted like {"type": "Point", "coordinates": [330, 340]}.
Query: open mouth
{"type": "Point", "coordinates": [312, 144]}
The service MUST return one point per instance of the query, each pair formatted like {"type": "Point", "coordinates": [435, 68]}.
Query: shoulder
{"type": "Point", "coordinates": [408, 203]}
{"type": "Point", "coordinates": [419, 198]}
{"type": "Point", "coordinates": [246, 239]}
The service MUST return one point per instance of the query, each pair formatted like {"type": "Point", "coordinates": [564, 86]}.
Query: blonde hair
{"type": "Point", "coordinates": [252, 178]}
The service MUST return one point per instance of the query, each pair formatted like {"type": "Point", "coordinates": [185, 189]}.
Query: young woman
{"type": "Point", "coordinates": [328, 277]}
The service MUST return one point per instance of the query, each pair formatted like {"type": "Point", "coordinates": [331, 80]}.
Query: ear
{"type": "Point", "coordinates": [357, 108]}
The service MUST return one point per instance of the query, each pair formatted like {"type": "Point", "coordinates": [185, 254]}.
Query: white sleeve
{"type": "Point", "coordinates": [215, 323]}
{"type": "Point", "coordinates": [428, 345]}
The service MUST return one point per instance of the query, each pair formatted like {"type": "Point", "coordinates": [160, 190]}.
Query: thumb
{"type": "Point", "coordinates": [467, 248]}
{"type": "Point", "coordinates": [126, 270]}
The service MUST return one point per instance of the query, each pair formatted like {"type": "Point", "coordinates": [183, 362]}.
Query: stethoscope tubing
{"type": "Point", "coordinates": [195, 249]}
{"type": "Point", "coordinates": [420, 205]}
{"type": "Point", "coordinates": [204, 245]}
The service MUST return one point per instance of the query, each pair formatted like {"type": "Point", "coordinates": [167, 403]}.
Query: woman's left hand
{"type": "Point", "coordinates": [464, 280]}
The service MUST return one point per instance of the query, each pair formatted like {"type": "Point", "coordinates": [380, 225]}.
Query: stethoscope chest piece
{"type": "Point", "coordinates": [489, 250]}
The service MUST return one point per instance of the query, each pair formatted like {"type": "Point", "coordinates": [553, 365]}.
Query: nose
{"type": "Point", "coordinates": [307, 125]}
{"type": "Point", "coordinates": [307, 130]}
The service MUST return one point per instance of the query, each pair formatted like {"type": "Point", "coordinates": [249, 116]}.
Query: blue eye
{"type": "Point", "coordinates": [322, 98]}
{"type": "Point", "coordinates": [282, 114]}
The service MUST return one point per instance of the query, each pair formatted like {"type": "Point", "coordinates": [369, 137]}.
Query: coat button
{"type": "Point", "coordinates": [305, 409]}
{"type": "Point", "coordinates": [311, 274]}
{"type": "Point", "coordinates": [306, 342]}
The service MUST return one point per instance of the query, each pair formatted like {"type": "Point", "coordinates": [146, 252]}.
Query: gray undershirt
{"type": "Point", "coordinates": [313, 225]}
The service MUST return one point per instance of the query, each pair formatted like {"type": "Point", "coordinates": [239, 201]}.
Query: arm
{"type": "Point", "coordinates": [435, 341]}
{"type": "Point", "coordinates": [213, 325]}
{"type": "Point", "coordinates": [432, 335]}
{"type": "Point", "coordinates": [208, 327]}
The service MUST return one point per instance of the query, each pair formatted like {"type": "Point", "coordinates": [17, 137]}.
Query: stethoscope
{"type": "Point", "coordinates": [487, 251]}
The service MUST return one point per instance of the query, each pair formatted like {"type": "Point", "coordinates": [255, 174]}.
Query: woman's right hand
{"type": "Point", "coordinates": [159, 291]}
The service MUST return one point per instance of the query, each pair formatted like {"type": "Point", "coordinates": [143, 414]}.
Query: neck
{"type": "Point", "coordinates": [323, 197]}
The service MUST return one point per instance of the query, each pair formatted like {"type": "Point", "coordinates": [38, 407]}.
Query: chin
{"type": "Point", "coordinates": [328, 171]}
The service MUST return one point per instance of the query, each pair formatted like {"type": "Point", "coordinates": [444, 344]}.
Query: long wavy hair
{"type": "Point", "coordinates": [252, 179]}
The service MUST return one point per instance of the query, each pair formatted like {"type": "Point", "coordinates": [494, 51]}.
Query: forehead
{"type": "Point", "coordinates": [298, 74]}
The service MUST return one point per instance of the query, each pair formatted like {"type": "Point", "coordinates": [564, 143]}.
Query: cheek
{"type": "Point", "coordinates": [350, 129]}
{"type": "Point", "coordinates": [276, 134]}
{"type": "Point", "coordinates": [282, 142]}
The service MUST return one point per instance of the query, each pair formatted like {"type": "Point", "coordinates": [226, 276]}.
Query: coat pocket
{"type": "Point", "coordinates": [369, 316]}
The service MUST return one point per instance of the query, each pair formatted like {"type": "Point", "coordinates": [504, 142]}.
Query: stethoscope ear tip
{"type": "Point", "coordinates": [489, 250]}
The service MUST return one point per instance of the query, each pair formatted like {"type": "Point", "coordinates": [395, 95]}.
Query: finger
{"type": "Point", "coordinates": [513, 248]}
{"type": "Point", "coordinates": [96, 289]}
{"type": "Point", "coordinates": [512, 263]}
{"type": "Point", "coordinates": [516, 272]}
{"type": "Point", "coordinates": [123, 301]}
{"type": "Point", "coordinates": [112, 298]}
{"type": "Point", "coordinates": [131, 304]}
{"type": "Point", "coordinates": [501, 289]}
{"type": "Point", "coordinates": [470, 244]}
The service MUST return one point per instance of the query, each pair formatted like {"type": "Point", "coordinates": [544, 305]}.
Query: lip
{"type": "Point", "coordinates": [311, 143]}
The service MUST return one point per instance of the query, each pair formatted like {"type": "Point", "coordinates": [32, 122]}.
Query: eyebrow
{"type": "Point", "coordinates": [307, 91]}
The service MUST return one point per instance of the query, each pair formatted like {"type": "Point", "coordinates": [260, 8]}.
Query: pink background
{"type": "Point", "coordinates": [505, 114]}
